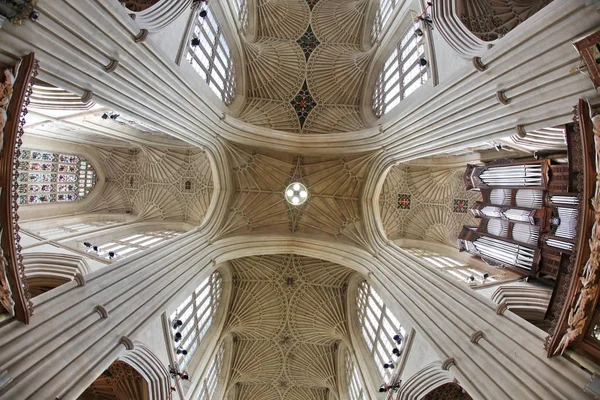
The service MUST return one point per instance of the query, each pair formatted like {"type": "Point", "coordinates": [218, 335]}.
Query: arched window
{"type": "Point", "coordinates": [404, 71]}
{"type": "Point", "coordinates": [209, 381]}
{"type": "Point", "coordinates": [378, 327]}
{"type": "Point", "coordinates": [129, 245]}
{"type": "Point", "coordinates": [58, 231]}
{"type": "Point", "coordinates": [49, 177]}
{"type": "Point", "coordinates": [241, 10]}
{"type": "Point", "coordinates": [210, 56]}
{"type": "Point", "coordinates": [355, 387]}
{"type": "Point", "coordinates": [382, 16]}
{"type": "Point", "coordinates": [196, 314]}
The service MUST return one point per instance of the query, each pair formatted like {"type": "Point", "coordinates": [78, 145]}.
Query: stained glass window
{"type": "Point", "coordinates": [45, 177]}
{"type": "Point", "coordinates": [378, 326]}
{"type": "Point", "coordinates": [404, 71]}
{"type": "Point", "coordinates": [210, 56]}
{"type": "Point", "coordinates": [196, 314]}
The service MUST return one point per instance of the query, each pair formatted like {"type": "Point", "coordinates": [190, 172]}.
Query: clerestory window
{"type": "Point", "coordinates": [208, 384]}
{"type": "Point", "coordinates": [378, 326]}
{"type": "Point", "coordinates": [209, 54]}
{"type": "Point", "coordinates": [45, 177]}
{"type": "Point", "coordinates": [196, 314]}
{"type": "Point", "coordinates": [355, 387]}
{"type": "Point", "coordinates": [382, 16]}
{"type": "Point", "coordinates": [130, 245]}
{"type": "Point", "coordinates": [240, 8]}
{"type": "Point", "coordinates": [404, 71]}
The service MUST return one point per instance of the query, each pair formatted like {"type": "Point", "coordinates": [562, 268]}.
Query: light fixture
{"type": "Point", "coordinates": [388, 364]}
{"type": "Point", "coordinates": [296, 193]}
{"type": "Point", "coordinates": [396, 352]}
{"type": "Point", "coordinates": [398, 339]}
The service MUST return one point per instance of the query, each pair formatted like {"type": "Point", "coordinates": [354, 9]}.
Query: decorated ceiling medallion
{"type": "Point", "coordinates": [404, 201]}
{"type": "Point", "coordinates": [312, 3]}
{"type": "Point", "coordinates": [303, 104]}
{"type": "Point", "coordinates": [296, 193]}
{"type": "Point", "coordinates": [461, 206]}
{"type": "Point", "coordinates": [308, 42]}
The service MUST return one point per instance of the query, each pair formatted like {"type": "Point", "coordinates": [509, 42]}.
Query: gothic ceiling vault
{"type": "Point", "coordinates": [426, 203]}
{"type": "Point", "coordinates": [334, 185]}
{"type": "Point", "coordinates": [306, 68]}
{"type": "Point", "coordinates": [153, 184]}
{"type": "Point", "coordinates": [287, 316]}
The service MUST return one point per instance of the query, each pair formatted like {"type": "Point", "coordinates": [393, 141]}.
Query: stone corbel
{"type": "Point", "coordinates": [102, 311]}
{"type": "Point", "coordinates": [477, 336]}
{"type": "Point", "coordinates": [501, 97]}
{"type": "Point", "coordinates": [478, 64]}
{"type": "Point", "coordinates": [448, 363]}
{"type": "Point", "coordinates": [86, 97]}
{"type": "Point", "coordinates": [128, 343]}
{"type": "Point", "coordinates": [501, 308]}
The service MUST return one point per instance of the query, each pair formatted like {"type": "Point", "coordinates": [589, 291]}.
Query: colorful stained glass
{"type": "Point", "coordinates": [67, 197]}
{"type": "Point", "coordinates": [41, 188]}
{"type": "Point", "coordinates": [308, 42]}
{"type": "Point", "coordinates": [67, 178]}
{"type": "Point", "coordinates": [43, 156]}
{"type": "Point", "coordinates": [67, 188]}
{"type": "Point", "coordinates": [41, 198]}
{"type": "Point", "coordinates": [303, 103]}
{"type": "Point", "coordinates": [36, 166]}
{"type": "Point", "coordinates": [37, 170]}
{"type": "Point", "coordinates": [39, 177]}
{"type": "Point", "coordinates": [67, 168]}
{"type": "Point", "coordinates": [68, 159]}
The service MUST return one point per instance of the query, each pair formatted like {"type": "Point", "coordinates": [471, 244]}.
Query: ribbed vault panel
{"type": "Point", "coordinates": [334, 119]}
{"type": "Point", "coordinates": [332, 209]}
{"type": "Point", "coordinates": [339, 21]}
{"type": "Point", "coordinates": [174, 185]}
{"type": "Point", "coordinates": [425, 203]}
{"type": "Point", "coordinates": [285, 19]}
{"type": "Point", "coordinates": [335, 74]}
{"type": "Point", "coordinates": [287, 324]}
{"type": "Point", "coordinates": [272, 114]}
{"type": "Point", "coordinates": [275, 68]}
{"type": "Point", "coordinates": [306, 80]}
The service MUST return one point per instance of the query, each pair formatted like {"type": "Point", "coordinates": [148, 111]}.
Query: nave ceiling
{"type": "Point", "coordinates": [287, 316]}
{"type": "Point", "coordinates": [306, 69]}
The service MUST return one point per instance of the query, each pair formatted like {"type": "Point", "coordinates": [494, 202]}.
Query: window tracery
{"type": "Point", "coordinates": [378, 326]}
{"type": "Point", "coordinates": [404, 71]}
{"type": "Point", "coordinates": [132, 244]}
{"type": "Point", "coordinates": [45, 177]}
{"type": "Point", "coordinates": [54, 232]}
{"type": "Point", "coordinates": [196, 314]}
{"type": "Point", "coordinates": [209, 55]}
{"type": "Point", "coordinates": [209, 381]}
{"type": "Point", "coordinates": [355, 387]}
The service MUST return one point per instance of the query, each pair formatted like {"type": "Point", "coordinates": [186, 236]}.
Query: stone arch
{"type": "Point", "coordinates": [155, 15]}
{"type": "Point", "coordinates": [119, 381]}
{"type": "Point", "coordinates": [46, 271]}
{"type": "Point", "coordinates": [424, 382]}
{"type": "Point", "coordinates": [138, 5]}
{"type": "Point", "coordinates": [148, 365]}
{"type": "Point", "coordinates": [471, 27]}
{"type": "Point", "coordinates": [448, 391]}
{"type": "Point", "coordinates": [528, 302]}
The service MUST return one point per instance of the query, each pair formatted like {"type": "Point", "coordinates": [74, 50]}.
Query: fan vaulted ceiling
{"type": "Point", "coordinates": [306, 68]}
{"type": "Point", "coordinates": [287, 316]}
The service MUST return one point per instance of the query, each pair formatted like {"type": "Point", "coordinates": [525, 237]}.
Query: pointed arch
{"type": "Point", "coordinates": [429, 378]}
{"type": "Point", "coordinates": [46, 271]}
{"type": "Point", "coordinates": [149, 366]}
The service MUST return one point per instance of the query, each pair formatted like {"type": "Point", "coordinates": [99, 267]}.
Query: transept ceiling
{"type": "Point", "coordinates": [306, 68]}
{"type": "Point", "coordinates": [287, 316]}
{"type": "Point", "coordinates": [158, 184]}
{"type": "Point", "coordinates": [426, 203]}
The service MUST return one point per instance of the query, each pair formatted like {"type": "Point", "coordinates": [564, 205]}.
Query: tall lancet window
{"type": "Point", "coordinates": [210, 56]}
{"type": "Point", "coordinates": [378, 327]}
{"type": "Point", "coordinates": [382, 16]}
{"type": "Point", "coordinates": [196, 314]}
{"type": "Point", "coordinates": [45, 177]}
{"type": "Point", "coordinates": [355, 387]}
{"type": "Point", "coordinates": [405, 70]}
{"type": "Point", "coordinates": [208, 385]}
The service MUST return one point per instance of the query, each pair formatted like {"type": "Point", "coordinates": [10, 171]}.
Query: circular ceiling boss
{"type": "Point", "coordinates": [296, 193]}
